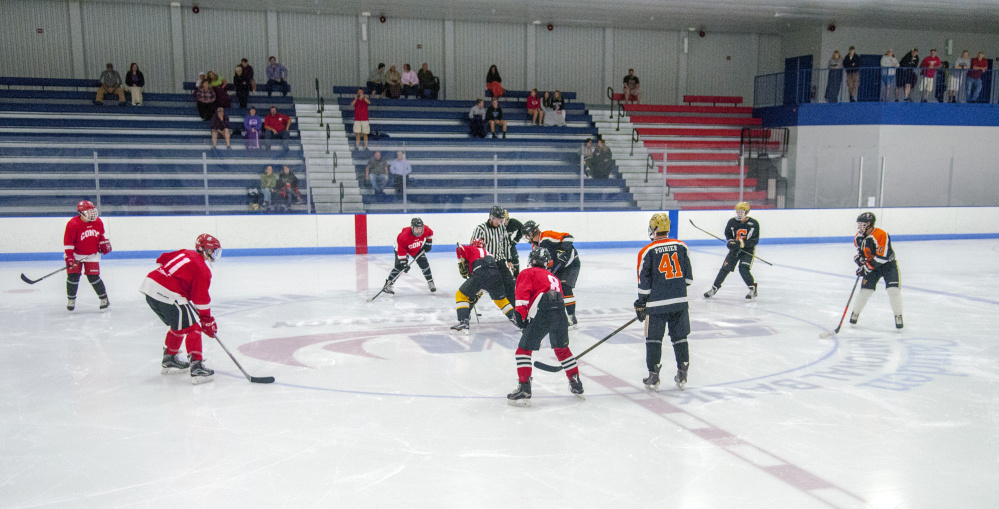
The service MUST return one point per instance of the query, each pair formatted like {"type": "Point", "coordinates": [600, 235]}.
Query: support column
{"type": "Point", "coordinates": [531, 74]}
{"type": "Point", "coordinates": [273, 47]}
{"type": "Point", "coordinates": [177, 44]}
{"type": "Point", "coordinates": [76, 40]}
{"type": "Point", "coordinates": [448, 78]}
{"type": "Point", "coordinates": [363, 62]}
{"type": "Point", "coordinates": [608, 63]}
{"type": "Point", "coordinates": [681, 67]}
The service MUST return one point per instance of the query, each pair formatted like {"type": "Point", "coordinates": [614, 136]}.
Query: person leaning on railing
{"type": "Point", "coordinates": [835, 80]}
{"type": "Point", "coordinates": [955, 80]}
{"type": "Point", "coordinates": [929, 65]}
{"type": "Point", "coordinates": [978, 66]}
{"type": "Point", "coordinates": [907, 73]}
{"type": "Point", "coordinates": [852, 65]}
{"type": "Point", "coordinates": [889, 69]}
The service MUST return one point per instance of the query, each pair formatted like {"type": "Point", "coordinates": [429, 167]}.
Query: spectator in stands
{"type": "Point", "coordinates": [978, 66]}
{"type": "Point", "coordinates": [410, 82]}
{"type": "Point", "coordinates": [547, 113]}
{"type": "Point", "coordinates": [242, 85]}
{"type": "Point", "coordinates": [393, 83]}
{"type": "Point", "coordinates": [287, 186]}
{"type": "Point", "coordinates": [957, 77]}
{"type": "Point", "coordinates": [534, 107]}
{"type": "Point", "coordinates": [852, 65]}
{"type": "Point", "coordinates": [277, 78]}
{"type": "Point", "coordinates": [494, 82]}
{"type": "Point", "coordinates": [220, 125]}
{"type": "Point", "coordinates": [477, 120]}
{"type": "Point", "coordinates": [276, 125]}
{"type": "Point", "coordinates": [835, 80]}
{"type": "Point", "coordinates": [376, 81]}
{"type": "Point", "coordinates": [377, 172]}
{"type": "Point", "coordinates": [929, 65]}
{"type": "Point", "coordinates": [110, 84]}
{"type": "Point", "coordinates": [632, 88]}
{"type": "Point", "coordinates": [401, 168]}
{"type": "Point", "coordinates": [252, 125]}
{"type": "Point", "coordinates": [907, 73]}
{"type": "Point", "coordinates": [201, 77]}
{"type": "Point", "coordinates": [494, 115]}
{"type": "Point", "coordinates": [134, 80]}
{"type": "Point", "coordinates": [558, 106]}
{"type": "Point", "coordinates": [587, 155]}
{"type": "Point", "coordinates": [206, 100]}
{"type": "Point", "coordinates": [268, 182]}
{"type": "Point", "coordinates": [362, 127]}
{"type": "Point", "coordinates": [429, 87]}
{"type": "Point", "coordinates": [219, 85]}
{"type": "Point", "coordinates": [889, 67]}
{"type": "Point", "coordinates": [248, 73]}
{"type": "Point", "coordinates": [602, 161]}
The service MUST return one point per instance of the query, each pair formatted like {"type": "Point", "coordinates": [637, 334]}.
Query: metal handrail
{"type": "Point", "coordinates": [335, 164]}
{"type": "Point", "coordinates": [649, 163]}
{"type": "Point", "coordinates": [341, 197]}
{"type": "Point", "coordinates": [620, 113]}
{"type": "Point", "coordinates": [322, 109]}
{"type": "Point", "coordinates": [610, 95]}
{"type": "Point", "coordinates": [634, 138]}
{"type": "Point", "coordinates": [327, 139]}
{"type": "Point", "coordinates": [317, 97]}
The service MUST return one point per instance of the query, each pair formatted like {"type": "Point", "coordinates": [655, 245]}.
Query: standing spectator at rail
{"type": "Point", "coordinates": [220, 125]}
{"type": "Point", "coordinates": [242, 84]}
{"type": "Point", "coordinates": [362, 126]}
{"type": "Point", "coordinates": [248, 73]}
{"type": "Point", "coordinates": [393, 83]}
{"type": "Point", "coordinates": [276, 125]}
{"type": "Point", "coordinates": [134, 80]}
{"type": "Point", "coordinates": [428, 84]}
{"type": "Point", "coordinates": [632, 88]}
{"type": "Point", "coordinates": [835, 80]}
{"type": "Point", "coordinates": [907, 74]}
{"type": "Point", "coordinates": [534, 107]}
{"type": "Point", "coordinates": [929, 65]}
{"type": "Point", "coordinates": [494, 115]}
{"type": "Point", "coordinates": [889, 67]}
{"type": "Point", "coordinates": [376, 81]}
{"type": "Point", "coordinates": [110, 84]}
{"type": "Point", "coordinates": [287, 186]}
{"type": "Point", "coordinates": [277, 77]}
{"type": "Point", "coordinates": [852, 65]}
{"type": "Point", "coordinates": [494, 82]}
{"type": "Point", "coordinates": [377, 172]}
{"type": "Point", "coordinates": [401, 168]}
{"type": "Point", "coordinates": [978, 66]}
{"type": "Point", "coordinates": [956, 79]}
{"type": "Point", "coordinates": [477, 120]}
{"type": "Point", "coordinates": [252, 125]}
{"type": "Point", "coordinates": [410, 82]}
{"type": "Point", "coordinates": [219, 85]}
{"type": "Point", "coordinates": [206, 100]}
{"type": "Point", "coordinates": [603, 160]}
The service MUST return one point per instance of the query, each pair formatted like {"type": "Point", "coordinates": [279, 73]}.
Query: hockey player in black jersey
{"type": "Point", "coordinates": [742, 233]}
{"type": "Point", "coordinates": [663, 277]}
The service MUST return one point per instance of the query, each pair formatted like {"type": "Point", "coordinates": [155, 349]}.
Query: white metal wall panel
{"type": "Point", "coordinates": [653, 56]}
{"type": "Point", "coordinates": [722, 64]}
{"type": "Point", "coordinates": [30, 54]}
{"type": "Point", "coordinates": [769, 60]}
{"type": "Point", "coordinates": [126, 33]}
{"type": "Point", "coordinates": [216, 40]}
{"type": "Point", "coordinates": [315, 46]}
{"type": "Point", "coordinates": [407, 41]}
{"type": "Point", "coordinates": [571, 59]}
{"type": "Point", "coordinates": [480, 45]}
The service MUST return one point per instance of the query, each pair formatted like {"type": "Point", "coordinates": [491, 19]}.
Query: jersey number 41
{"type": "Point", "coordinates": [670, 265]}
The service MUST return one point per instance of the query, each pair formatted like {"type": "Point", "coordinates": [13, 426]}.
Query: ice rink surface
{"type": "Point", "coordinates": [379, 405]}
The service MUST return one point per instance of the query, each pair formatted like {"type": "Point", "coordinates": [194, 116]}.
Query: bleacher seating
{"type": "Point", "coordinates": [523, 94]}
{"type": "Point", "coordinates": [713, 99]}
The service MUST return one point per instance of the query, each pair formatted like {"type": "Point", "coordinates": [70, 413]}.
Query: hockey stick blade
{"type": "Point", "coordinates": [831, 333]}
{"type": "Point", "coordinates": [26, 279]}
{"type": "Point", "coordinates": [419, 253]}
{"type": "Point", "coordinates": [252, 379]}
{"type": "Point", "coordinates": [555, 369]}
{"type": "Point", "coordinates": [262, 379]}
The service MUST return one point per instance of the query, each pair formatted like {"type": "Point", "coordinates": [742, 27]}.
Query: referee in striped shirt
{"type": "Point", "coordinates": [493, 233]}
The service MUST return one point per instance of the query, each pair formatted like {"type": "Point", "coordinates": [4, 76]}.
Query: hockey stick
{"type": "Point", "coordinates": [399, 275]}
{"type": "Point", "coordinates": [555, 369]}
{"type": "Point", "coordinates": [33, 281]}
{"type": "Point", "coordinates": [723, 240]}
{"type": "Point", "coordinates": [252, 379]}
{"type": "Point", "coordinates": [831, 333]}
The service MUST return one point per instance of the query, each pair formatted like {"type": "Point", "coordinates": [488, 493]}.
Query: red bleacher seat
{"type": "Point", "coordinates": [713, 99]}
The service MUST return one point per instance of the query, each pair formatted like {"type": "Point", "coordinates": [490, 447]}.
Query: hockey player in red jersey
{"type": "Point", "coordinates": [478, 267]}
{"type": "Point", "coordinates": [84, 243]}
{"type": "Point", "coordinates": [541, 311]}
{"type": "Point", "coordinates": [177, 291]}
{"type": "Point", "coordinates": [564, 261]}
{"type": "Point", "coordinates": [876, 260]}
{"type": "Point", "coordinates": [663, 277]}
{"type": "Point", "coordinates": [414, 241]}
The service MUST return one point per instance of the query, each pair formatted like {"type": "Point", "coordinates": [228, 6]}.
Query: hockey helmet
{"type": "Point", "coordinates": [415, 224]}
{"type": "Point", "coordinates": [659, 225]}
{"type": "Point", "coordinates": [530, 229]}
{"type": "Point", "coordinates": [865, 221]}
{"type": "Point", "coordinates": [478, 243]}
{"type": "Point", "coordinates": [540, 257]}
{"type": "Point", "coordinates": [87, 209]}
{"type": "Point", "coordinates": [497, 212]}
{"type": "Point", "coordinates": [741, 210]}
{"type": "Point", "coordinates": [209, 246]}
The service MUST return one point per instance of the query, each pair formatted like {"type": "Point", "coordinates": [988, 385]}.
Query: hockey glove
{"type": "Point", "coordinates": [860, 260]}
{"type": "Point", "coordinates": [562, 258]}
{"type": "Point", "coordinates": [427, 245]}
{"type": "Point", "coordinates": [209, 327]}
{"type": "Point", "coordinates": [640, 309]}
{"type": "Point", "coordinates": [463, 268]}
{"type": "Point", "coordinates": [104, 246]}
{"type": "Point", "coordinates": [865, 269]}
{"type": "Point", "coordinates": [400, 264]}
{"type": "Point", "coordinates": [70, 261]}
{"type": "Point", "coordinates": [733, 244]}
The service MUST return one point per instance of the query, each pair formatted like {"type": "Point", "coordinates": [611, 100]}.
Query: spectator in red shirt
{"type": "Point", "coordinates": [929, 65]}
{"type": "Point", "coordinates": [276, 126]}
{"type": "Point", "coordinates": [978, 65]}
{"type": "Point", "coordinates": [534, 107]}
{"type": "Point", "coordinates": [361, 125]}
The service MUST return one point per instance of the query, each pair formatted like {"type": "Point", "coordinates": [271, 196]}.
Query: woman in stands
{"type": "Point", "coordinates": [222, 99]}
{"type": "Point", "coordinates": [135, 81]}
{"type": "Point", "coordinates": [558, 106]}
{"type": "Point", "coordinates": [206, 100]}
{"type": "Point", "coordinates": [548, 116]}
{"type": "Point", "coordinates": [493, 81]}
{"type": "Point", "coordinates": [242, 83]}
{"type": "Point", "coordinates": [835, 78]}
{"type": "Point", "coordinates": [534, 108]}
{"type": "Point", "coordinates": [393, 83]}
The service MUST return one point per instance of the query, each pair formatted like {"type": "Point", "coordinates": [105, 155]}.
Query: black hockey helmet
{"type": "Point", "coordinates": [497, 212]}
{"type": "Point", "coordinates": [540, 257]}
{"type": "Point", "coordinates": [414, 224]}
{"type": "Point", "coordinates": [867, 217]}
{"type": "Point", "coordinates": [529, 229]}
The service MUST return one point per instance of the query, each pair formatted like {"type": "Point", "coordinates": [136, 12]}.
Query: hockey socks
{"type": "Point", "coordinates": [653, 353]}
{"type": "Point", "coordinates": [72, 285]}
{"type": "Point", "coordinates": [682, 353]}
{"type": "Point", "coordinates": [722, 274]}
{"type": "Point", "coordinates": [98, 285]}
{"type": "Point", "coordinates": [565, 356]}
{"type": "Point", "coordinates": [895, 297]}
{"type": "Point", "coordinates": [862, 298]}
{"type": "Point", "coordinates": [173, 342]}
{"type": "Point", "coordinates": [523, 365]}
{"type": "Point", "coordinates": [192, 341]}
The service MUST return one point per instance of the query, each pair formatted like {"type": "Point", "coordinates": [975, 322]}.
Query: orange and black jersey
{"type": "Point", "coordinates": [559, 246]}
{"type": "Point", "coordinates": [663, 276]}
{"type": "Point", "coordinates": [748, 232]}
{"type": "Point", "coordinates": [876, 247]}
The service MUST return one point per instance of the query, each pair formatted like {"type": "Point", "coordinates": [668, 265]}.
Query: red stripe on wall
{"type": "Point", "coordinates": [360, 234]}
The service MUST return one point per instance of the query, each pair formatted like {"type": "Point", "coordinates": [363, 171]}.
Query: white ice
{"type": "Point", "coordinates": [379, 405]}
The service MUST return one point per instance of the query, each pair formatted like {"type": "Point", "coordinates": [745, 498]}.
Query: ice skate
{"type": "Point", "coordinates": [576, 386]}
{"type": "Point", "coordinates": [388, 288]}
{"type": "Point", "coordinates": [431, 285]}
{"type": "Point", "coordinates": [199, 373]}
{"type": "Point", "coordinates": [461, 327]}
{"type": "Point", "coordinates": [711, 293]}
{"type": "Point", "coordinates": [521, 396]}
{"type": "Point", "coordinates": [752, 292]}
{"type": "Point", "coordinates": [173, 364]}
{"type": "Point", "coordinates": [71, 304]}
{"type": "Point", "coordinates": [898, 321]}
{"type": "Point", "coordinates": [680, 378]}
{"type": "Point", "coordinates": [573, 324]}
{"type": "Point", "coordinates": [105, 303]}
{"type": "Point", "coordinates": [854, 317]}
{"type": "Point", "coordinates": [652, 381]}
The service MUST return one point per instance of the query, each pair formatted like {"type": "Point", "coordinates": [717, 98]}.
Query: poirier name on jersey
{"type": "Point", "coordinates": [663, 275]}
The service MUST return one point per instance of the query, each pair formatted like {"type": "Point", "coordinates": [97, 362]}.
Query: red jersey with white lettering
{"type": "Point", "coordinates": [82, 239]}
{"type": "Point", "coordinates": [183, 277]}
{"type": "Point", "coordinates": [532, 283]}
{"type": "Point", "coordinates": [409, 244]}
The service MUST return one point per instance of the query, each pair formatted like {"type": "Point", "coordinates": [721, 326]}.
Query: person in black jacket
{"type": "Point", "coordinates": [602, 161]}
{"type": "Point", "coordinates": [494, 115]}
{"type": "Point", "coordinates": [242, 84]}
{"type": "Point", "coordinates": [134, 80]}
{"type": "Point", "coordinates": [852, 65]}
{"type": "Point", "coordinates": [288, 186]}
{"type": "Point", "coordinates": [907, 73]}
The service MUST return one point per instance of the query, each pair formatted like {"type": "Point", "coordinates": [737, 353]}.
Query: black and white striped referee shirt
{"type": "Point", "coordinates": [496, 239]}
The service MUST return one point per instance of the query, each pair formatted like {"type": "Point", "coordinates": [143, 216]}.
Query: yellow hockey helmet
{"type": "Point", "coordinates": [744, 207]}
{"type": "Point", "coordinates": [659, 224]}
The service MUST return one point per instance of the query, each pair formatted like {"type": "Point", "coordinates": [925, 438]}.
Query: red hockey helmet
{"type": "Point", "coordinates": [209, 245]}
{"type": "Point", "coordinates": [87, 209]}
{"type": "Point", "coordinates": [478, 243]}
